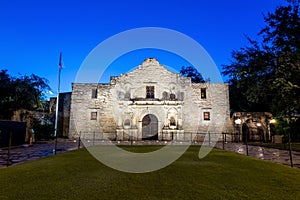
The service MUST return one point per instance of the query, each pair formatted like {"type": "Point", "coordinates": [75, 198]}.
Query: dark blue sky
{"type": "Point", "coordinates": [34, 32]}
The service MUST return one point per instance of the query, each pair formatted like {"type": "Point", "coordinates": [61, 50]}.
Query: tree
{"type": "Point", "coordinates": [6, 93]}
{"type": "Point", "coordinates": [264, 76]}
{"type": "Point", "coordinates": [249, 75]}
{"type": "Point", "coordinates": [282, 36]}
{"type": "Point", "coordinates": [192, 72]}
{"type": "Point", "coordinates": [25, 92]}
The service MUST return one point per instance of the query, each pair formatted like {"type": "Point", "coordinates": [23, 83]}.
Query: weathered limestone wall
{"type": "Point", "coordinates": [82, 104]}
{"type": "Point", "coordinates": [150, 73]}
{"type": "Point", "coordinates": [216, 102]}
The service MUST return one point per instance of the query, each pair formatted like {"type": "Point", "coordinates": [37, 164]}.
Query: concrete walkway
{"type": "Point", "coordinates": [38, 150]}
{"type": "Point", "coordinates": [264, 153]}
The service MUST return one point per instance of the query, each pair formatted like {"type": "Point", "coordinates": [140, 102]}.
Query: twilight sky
{"type": "Point", "coordinates": [34, 32]}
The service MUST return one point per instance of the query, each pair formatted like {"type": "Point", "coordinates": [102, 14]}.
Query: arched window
{"type": "Point", "coordinates": [121, 95]}
{"type": "Point", "coordinates": [181, 96]}
{"type": "Point", "coordinates": [127, 123]}
{"type": "Point", "coordinates": [127, 95]}
{"type": "Point", "coordinates": [165, 96]}
{"type": "Point", "coordinates": [172, 96]}
{"type": "Point", "coordinates": [172, 121]}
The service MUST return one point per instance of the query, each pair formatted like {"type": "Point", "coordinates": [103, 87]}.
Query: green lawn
{"type": "Point", "coordinates": [220, 175]}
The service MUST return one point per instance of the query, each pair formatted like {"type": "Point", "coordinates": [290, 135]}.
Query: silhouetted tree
{"type": "Point", "coordinates": [264, 76]}
{"type": "Point", "coordinates": [193, 73]}
{"type": "Point", "coordinates": [25, 92]}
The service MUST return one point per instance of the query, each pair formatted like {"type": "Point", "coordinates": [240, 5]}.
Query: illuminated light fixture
{"type": "Point", "coordinates": [258, 124]}
{"type": "Point", "coordinates": [238, 121]}
{"type": "Point", "coordinates": [272, 121]}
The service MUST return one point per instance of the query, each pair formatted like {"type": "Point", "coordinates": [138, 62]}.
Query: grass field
{"type": "Point", "coordinates": [220, 175]}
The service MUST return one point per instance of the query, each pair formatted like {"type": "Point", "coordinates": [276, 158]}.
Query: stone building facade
{"type": "Point", "coordinates": [253, 126]}
{"type": "Point", "coordinates": [149, 102]}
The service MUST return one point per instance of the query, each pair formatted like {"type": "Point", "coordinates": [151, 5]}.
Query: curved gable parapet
{"type": "Point", "coordinates": [150, 71]}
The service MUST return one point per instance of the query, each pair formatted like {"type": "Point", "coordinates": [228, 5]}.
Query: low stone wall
{"type": "Point", "coordinates": [17, 130]}
{"type": "Point", "coordinates": [277, 139]}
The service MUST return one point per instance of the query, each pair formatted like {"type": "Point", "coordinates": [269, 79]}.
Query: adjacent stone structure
{"type": "Point", "coordinates": [253, 126]}
{"type": "Point", "coordinates": [31, 117]}
{"type": "Point", "coordinates": [149, 102]}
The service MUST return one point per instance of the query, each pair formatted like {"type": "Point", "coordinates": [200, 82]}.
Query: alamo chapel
{"type": "Point", "coordinates": [148, 103]}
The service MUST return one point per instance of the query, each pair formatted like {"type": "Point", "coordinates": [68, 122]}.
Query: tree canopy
{"type": "Point", "coordinates": [265, 75]}
{"type": "Point", "coordinates": [192, 72]}
{"type": "Point", "coordinates": [24, 92]}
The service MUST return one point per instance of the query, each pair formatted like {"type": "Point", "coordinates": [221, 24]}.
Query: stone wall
{"type": "Point", "coordinates": [256, 126]}
{"type": "Point", "coordinates": [12, 130]}
{"type": "Point", "coordinates": [31, 117]}
{"type": "Point", "coordinates": [82, 105]}
{"type": "Point", "coordinates": [52, 105]}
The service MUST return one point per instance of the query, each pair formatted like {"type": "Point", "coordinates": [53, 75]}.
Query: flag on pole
{"type": "Point", "coordinates": [60, 61]}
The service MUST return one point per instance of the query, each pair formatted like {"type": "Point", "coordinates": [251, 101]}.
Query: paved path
{"type": "Point", "coordinates": [264, 153]}
{"type": "Point", "coordinates": [22, 154]}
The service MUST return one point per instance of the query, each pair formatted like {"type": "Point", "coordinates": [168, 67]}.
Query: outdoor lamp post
{"type": "Point", "coordinates": [271, 128]}
{"type": "Point", "coordinates": [258, 124]}
{"type": "Point", "coordinates": [238, 122]}
{"type": "Point", "coordinates": [237, 127]}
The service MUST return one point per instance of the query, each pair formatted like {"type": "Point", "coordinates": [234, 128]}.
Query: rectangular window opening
{"type": "Point", "coordinates": [150, 92]}
{"type": "Point", "coordinates": [206, 116]}
{"type": "Point", "coordinates": [93, 115]}
{"type": "Point", "coordinates": [203, 93]}
{"type": "Point", "coordinates": [94, 93]}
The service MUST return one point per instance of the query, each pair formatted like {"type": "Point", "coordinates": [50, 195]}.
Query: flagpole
{"type": "Point", "coordinates": [57, 102]}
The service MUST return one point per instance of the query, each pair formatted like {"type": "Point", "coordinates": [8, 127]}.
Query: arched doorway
{"type": "Point", "coordinates": [150, 127]}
